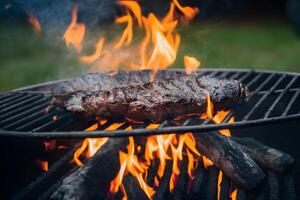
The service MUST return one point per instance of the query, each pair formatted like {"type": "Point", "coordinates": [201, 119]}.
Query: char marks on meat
{"type": "Point", "coordinates": [155, 101]}
{"type": "Point", "coordinates": [93, 82]}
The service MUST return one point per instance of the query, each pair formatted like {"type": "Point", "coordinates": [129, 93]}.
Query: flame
{"type": "Point", "coordinates": [130, 164]}
{"type": "Point", "coordinates": [210, 107]}
{"type": "Point", "coordinates": [219, 117]}
{"type": "Point", "coordinates": [42, 164]}
{"type": "Point", "coordinates": [207, 162]}
{"type": "Point", "coordinates": [92, 145]}
{"type": "Point", "coordinates": [191, 64]}
{"type": "Point", "coordinates": [96, 55]}
{"type": "Point", "coordinates": [34, 22]}
{"type": "Point", "coordinates": [189, 12]}
{"type": "Point", "coordinates": [49, 145]}
{"type": "Point", "coordinates": [75, 32]}
{"type": "Point", "coordinates": [234, 195]}
{"type": "Point", "coordinates": [220, 176]}
{"type": "Point", "coordinates": [134, 8]}
{"type": "Point", "coordinates": [126, 37]}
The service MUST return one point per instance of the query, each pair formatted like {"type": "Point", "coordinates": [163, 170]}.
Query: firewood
{"type": "Point", "coordinates": [94, 177]}
{"type": "Point", "coordinates": [229, 157]}
{"type": "Point", "coordinates": [265, 156]}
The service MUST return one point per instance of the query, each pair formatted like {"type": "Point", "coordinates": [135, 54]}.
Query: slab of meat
{"type": "Point", "coordinates": [93, 82]}
{"type": "Point", "coordinates": [158, 100]}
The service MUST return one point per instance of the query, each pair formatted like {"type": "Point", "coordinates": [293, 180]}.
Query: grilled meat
{"type": "Point", "coordinates": [159, 100]}
{"type": "Point", "coordinates": [94, 82]}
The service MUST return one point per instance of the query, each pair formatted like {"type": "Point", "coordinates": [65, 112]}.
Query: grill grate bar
{"type": "Point", "coordinates": [27, 118]}
{"type": "Point", "coordinates": [61, 120]}
{"type": "Point", "coordinates": [263, 98]}
{"type": "Point", "coordinates": [267, 114]}
{"type": "Point", "coordinates": [11, 97]}
{"type": "Point", "coordinates": [21, 103]}
{"type": "Point", "coordinates": [14, 101]}
{"type": "Point", "coordinates": [36, 122]}
{"type": "Point", "coordinates": [291, 103]}
{"type": "Point", "coordinates": [24, 110]}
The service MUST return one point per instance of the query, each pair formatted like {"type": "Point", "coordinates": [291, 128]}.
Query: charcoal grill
{"type": "Point", "coordinates": [274, 100]}
{"type": "Point", "coordinates": [23, 111]}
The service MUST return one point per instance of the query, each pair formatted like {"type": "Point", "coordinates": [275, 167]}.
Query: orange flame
{"type": "Point", "coordinates": [220, 177]}
{"type": "Point", "coordinates": [42, 164]}
{"type": "Point", "coordinates": [92, 145]}
{"type": "Point", "coordinates": [210, 107]}
{"type": "Point", "coordinates": [34, 22]}
{"type": "Point", "coordinates": [96, 55]}
{"type": "Point", "coordinates": [234, 195]}
{"type": "Point", "coordinates": [134, 8]}
{"type": "Point", "coordinates": [191, 64]}
{"type": "Point", "coordinates": [130, 164]}
{"type": "Point", "coordinates": [189, 12]}
{"type": "Point", "coordinates": [75, 32]}
{"type": "Point", "coordinates": [126, 37]}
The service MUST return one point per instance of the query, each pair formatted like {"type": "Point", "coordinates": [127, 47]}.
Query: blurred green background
{"type": "Point", "coordinates": [27, 58]}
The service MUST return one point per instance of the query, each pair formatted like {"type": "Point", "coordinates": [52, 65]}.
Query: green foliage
{"type": "Point", "coordinates": [27, 58]}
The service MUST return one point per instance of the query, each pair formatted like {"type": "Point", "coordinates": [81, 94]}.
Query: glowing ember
{"type": "Point", "coordinates": [75, 32]}
{"type": "Point", "coordinates": [42, 164]}
{"type": "Point", "coordinates": [34, 22]}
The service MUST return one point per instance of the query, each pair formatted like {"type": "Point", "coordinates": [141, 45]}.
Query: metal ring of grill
{"type": "Point", "coordinates": [274, 99]}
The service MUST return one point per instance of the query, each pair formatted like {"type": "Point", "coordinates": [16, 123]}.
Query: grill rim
{"type": "Point", "coordinates": [147, 132]}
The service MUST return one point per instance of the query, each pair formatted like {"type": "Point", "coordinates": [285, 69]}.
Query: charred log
{"type": "Point", "coordinates": [265, 156]}
{"type": "Point", "coordinates": [95, 176]}
{"type": "Point", "coordinates": [158, 100]}
{"type": "Point", "coordinates": [230, 158]}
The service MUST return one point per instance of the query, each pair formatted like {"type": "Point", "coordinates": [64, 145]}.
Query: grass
{"type": "Point", "coordinates": [26, 58]}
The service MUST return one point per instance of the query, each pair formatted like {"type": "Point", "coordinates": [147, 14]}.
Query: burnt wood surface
{"type": "Point", "coordinates": [158, 100]}
{"type": "Point", "coordinates": [230, 158]}
{"type": "Point", "coordinates": [266, 156]}
{"type": "Point", "coordinates": [94, 177]}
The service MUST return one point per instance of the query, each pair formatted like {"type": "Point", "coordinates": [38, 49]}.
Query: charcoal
{"type": "Point", "coordinates": [230, 159]}
{"type": "Point", "coordinates": [266, 156]}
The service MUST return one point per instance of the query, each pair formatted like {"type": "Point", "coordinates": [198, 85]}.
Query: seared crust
{"type": "Point", "coordinates": [158, 100]}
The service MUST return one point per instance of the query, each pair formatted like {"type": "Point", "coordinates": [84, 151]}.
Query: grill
{"type": "Point", "coordinates": [25, 113]}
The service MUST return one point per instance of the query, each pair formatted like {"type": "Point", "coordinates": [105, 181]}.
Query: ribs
{"type": "Point", "coordinates": [158, 100]}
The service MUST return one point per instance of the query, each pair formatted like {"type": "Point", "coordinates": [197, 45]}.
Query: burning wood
{"type": "Point", "coordinates": [159, 100]}
{"type": "Point", "coordinates": [230, 158]}
{"type": "Point", "coordinates": [98, 174]}
{"type": "Point", "coordinates": [95, 176]}
{"type": "Point", "coordinates": [266, 156]}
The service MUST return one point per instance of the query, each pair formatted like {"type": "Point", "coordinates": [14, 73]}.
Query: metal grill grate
{"type": "Point", "coordinates": [274, 99]}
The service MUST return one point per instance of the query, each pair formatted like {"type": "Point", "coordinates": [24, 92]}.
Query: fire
{"type": "Point", "coordinates": [42, 164]}
{"type": "Point", "coordinates": [34, 22]}
{"type": "Point", "coordinates": [96, 55]}
{"type": "Point", "coordinates": [234, 195]}
{"type": "Point", "coordinates": [191, 64]}
{"type": "Point", "coordinates": [189, 12]}
{"type": "Point", "coordinates": [92, 145]}
{"type": "Point", "coordinates": [157, 50]}
{"type": "Point", "coordinates": [220, 177]}
{"type": "Point", "coordinates": [75, 32]}
{"type": "Point", "coordinates": [130, 164]}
